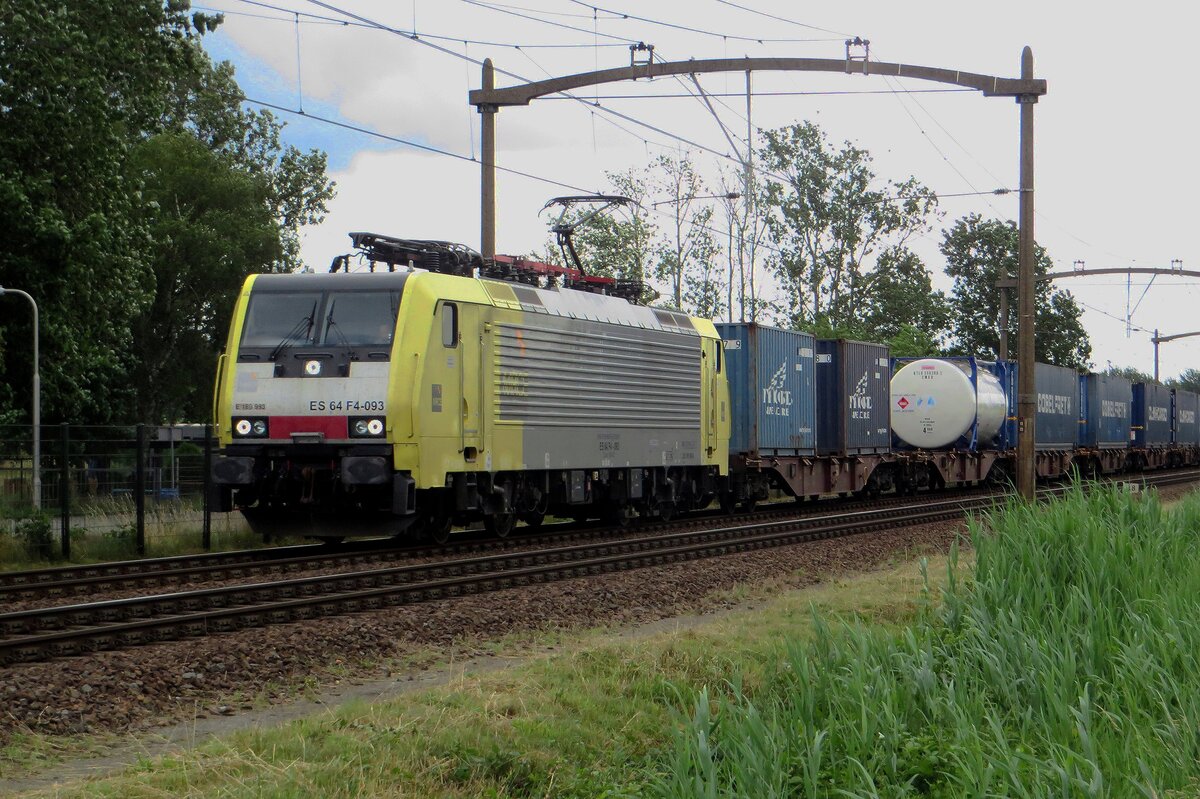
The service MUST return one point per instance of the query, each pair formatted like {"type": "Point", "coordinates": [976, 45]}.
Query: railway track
{"type": "Point", "coordinates": [68, 581]}
{"type": "Point", "coordinates": [78, 629]}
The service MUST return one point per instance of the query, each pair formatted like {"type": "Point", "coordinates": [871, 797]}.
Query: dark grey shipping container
{"type": "Point", "coordinates": [853, 397]}
{"type": "Point", "coordinates": [1108, 411]}
{"type": "Point", "coordinates": [1151, 415]}
{"type": "Point", "coordinates": [771, 383]}
{"type": "Point", "coordinates": [1058, 412]}
{"type": "Point", "coordinates": [1186, 416]}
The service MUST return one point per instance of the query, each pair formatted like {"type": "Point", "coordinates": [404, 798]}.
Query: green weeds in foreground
{"type": "Point", "coordinates": [1067, 667]}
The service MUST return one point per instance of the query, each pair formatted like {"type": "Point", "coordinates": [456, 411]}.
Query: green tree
{"type": "Point", "coordinates": [96, 200]}
{"type": "Point", "coordinates": [1130, 373]}
{"type": "Point", "coordinates": [979, 252]}
{"type": "Point", "coordinates": [78, 81]}
{"type": "Point", "coordinates": [687, 251]}
{"type": "Point", "coordinates": [899, 297]}
{"type": "Point", "coordinates": [1188, 380]}
{"type": "Point", "coordinates": [828, 215]}
{"type": "Point", "coordinates": [212, 224]}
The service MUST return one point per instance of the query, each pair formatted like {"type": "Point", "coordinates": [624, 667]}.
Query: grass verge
{"type": "Point", "coordinates": [1063, 664]}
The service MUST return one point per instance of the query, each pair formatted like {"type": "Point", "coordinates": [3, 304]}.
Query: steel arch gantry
{"type": "Point", "coordinates": [1008, 283]}
{"type": "Point", "coordinates": [1025, 89]}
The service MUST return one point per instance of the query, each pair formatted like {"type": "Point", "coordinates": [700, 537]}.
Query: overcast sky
{"type": "Point", "coordinates": [1116, 157]}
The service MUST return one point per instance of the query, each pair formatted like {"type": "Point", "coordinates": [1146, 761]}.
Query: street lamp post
{"type": "Point", "coordinates": [37, 401]}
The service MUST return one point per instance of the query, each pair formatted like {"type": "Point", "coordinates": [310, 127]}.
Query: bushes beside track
{"type": "Point", "coordinates": [1067, 666]}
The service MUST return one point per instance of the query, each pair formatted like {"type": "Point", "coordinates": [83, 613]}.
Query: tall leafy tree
{"type": "Point", "coordinates": [828, 216]}
{"type": "Point", "coordinates": [900, 297]}
{"type": "Point", "coordinates": [687, 251]}
{"type": "Point", "coordinates": [1189, 380]}
{"type": "Point", "coordinates": [979, 252]}
{"type": "Point", "coordinates": [98, 196]}
{"type": "Point", "coordinates": [212, 223]}
{"type": "Point", "coordinates": [78, 81]}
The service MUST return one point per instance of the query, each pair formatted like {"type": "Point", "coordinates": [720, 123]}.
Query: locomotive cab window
{"type": "Point", "coordinates": [720, 355]}
{"type": "Point", "coordinates": [360, 318]}
{"type": "Point", "coordinates": [281, 319]}
{"type": "Point", "coordinates": [449, 324]}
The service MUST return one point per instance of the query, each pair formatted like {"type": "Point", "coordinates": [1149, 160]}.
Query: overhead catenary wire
{"type": "Point", "coordinates": [309, 18]}
{"type": "Point", "coordinates": [780, 19]}
{"type": "Point", "coordinates": [690, 29]}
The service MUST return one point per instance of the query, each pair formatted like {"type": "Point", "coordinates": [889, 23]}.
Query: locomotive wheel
{"type": "Point", "coordinates": [500, 524]}
{"type": "Point", "coordinates": [666, 511]}
{"type": "Point", "coordinates": [533, 518]}
{"type": "Point", "coordinates": [749, 505]}
{"type": "Point", "coordinates": [728, 504]}
{"type": "Point", "coordinates": [437, 529]}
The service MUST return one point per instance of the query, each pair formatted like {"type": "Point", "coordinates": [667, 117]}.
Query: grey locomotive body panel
{"type": "Point", "coordinates": [592, 395]}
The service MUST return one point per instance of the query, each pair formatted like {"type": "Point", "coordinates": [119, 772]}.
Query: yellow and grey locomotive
{"type": "Point", "coordinates": [384, 401]}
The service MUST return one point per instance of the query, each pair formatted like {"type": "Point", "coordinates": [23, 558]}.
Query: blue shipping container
{"type": "Point", "coordinates": [1186, 417]}
{"type": "Point", "coordinates": [853, 397]}
{"type": "Point", "coordinates": [771, 383]}
{"type": "Point", "coordinates": [1058, 412]}
{"type": "Point", "coordinates": [1151, 415]}
{"type": "Point", "coordinates": [1107, 402]}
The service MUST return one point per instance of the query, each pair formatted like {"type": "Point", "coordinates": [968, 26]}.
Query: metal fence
{"type": "Point", "coordinates": [135, 488]}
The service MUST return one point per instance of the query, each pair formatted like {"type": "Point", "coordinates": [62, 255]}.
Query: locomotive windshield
{"type": "Point", "coordinates": [360, 319]}
{"type": "Point", "coordinates": [277, 320]}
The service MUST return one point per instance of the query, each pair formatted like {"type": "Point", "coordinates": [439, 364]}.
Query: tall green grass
{"type": "Point", "coordinates": [1067, 666]}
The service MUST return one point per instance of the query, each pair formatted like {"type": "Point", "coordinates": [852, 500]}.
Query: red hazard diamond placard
{"type": "Point", "coordinates": [902, 402]}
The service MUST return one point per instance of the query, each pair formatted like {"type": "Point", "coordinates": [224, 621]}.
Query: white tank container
{"type": "Point", "coordinates": [935, 402]}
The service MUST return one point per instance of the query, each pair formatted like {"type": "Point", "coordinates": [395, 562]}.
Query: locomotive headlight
{"type": "Point", "coordinates": [366, 427]}
{"type": "Point", "coordinates": [254, 427]}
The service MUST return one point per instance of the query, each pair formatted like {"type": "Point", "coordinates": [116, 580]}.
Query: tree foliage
{"type": "Point", "coordinates": [978, 253]}
{"type": "Point", "coordinates": [687, 251]}
{"type": "Point", "coordinates": [1188, 380]}
{"type": "Point", "coordinates": [95, 206]}
{"type": "Point", "coordinates": [828, 217]}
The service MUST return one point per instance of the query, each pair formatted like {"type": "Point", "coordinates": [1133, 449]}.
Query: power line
{"type": "Point", "coordinates": [779, 19]}
{"type": "Point", "coordinates": [409, 143]}
{"type": "Point", "coordinates": [507, 10]}
{"type": "Point", "coordinates": [318, 19]}
{"type": "Point", "coordinates": [689, 29]}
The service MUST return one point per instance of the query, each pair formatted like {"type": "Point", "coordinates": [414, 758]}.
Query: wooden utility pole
{"type": "Point", "coordinates": [487, 165]}
{"type": "Point", "coordinates": [1026, 291]}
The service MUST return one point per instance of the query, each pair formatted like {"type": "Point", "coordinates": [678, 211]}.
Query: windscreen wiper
{"type": "Point", "coordinates": [330, 324]}
{"type": "Point", "coordinates": [305, 325]}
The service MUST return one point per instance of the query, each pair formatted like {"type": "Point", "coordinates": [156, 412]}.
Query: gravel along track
{"type": "Point", "coordinates": [78, 629]}
{"type": "Point", "coordinates": [43, 588]}
{"type": "Point", "coordinates": [158, 684]}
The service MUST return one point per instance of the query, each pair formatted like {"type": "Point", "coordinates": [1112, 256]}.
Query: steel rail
{"type": "Point", "coordinates": [74, 580]}
{"type": "Point", "coordinates": [130, 621]}
{"type": "Point", "coordinates": [34, 634]}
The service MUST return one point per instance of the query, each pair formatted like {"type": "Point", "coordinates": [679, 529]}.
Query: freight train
{"type": "Point", "coordinates": [452, 389]}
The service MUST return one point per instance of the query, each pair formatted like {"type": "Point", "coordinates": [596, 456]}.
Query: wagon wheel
{"type": "Point", "coordinates": [500, 524]}
{"type": "Point", "coordinates": [437, 527]}
{"type": "Point", "coordinates": [533, 518]}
